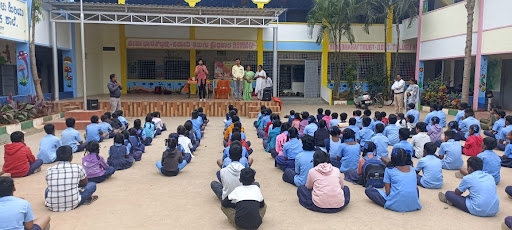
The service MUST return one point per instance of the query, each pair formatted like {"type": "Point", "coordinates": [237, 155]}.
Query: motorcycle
{"type": "Point", "coordinates": [361, 99]}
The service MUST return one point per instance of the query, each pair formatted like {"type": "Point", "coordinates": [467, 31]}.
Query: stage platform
{"type": "Point", "coordinates": [174, 105]}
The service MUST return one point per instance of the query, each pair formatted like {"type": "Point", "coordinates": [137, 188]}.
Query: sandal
{"type": "Point", "coordinates": [91, 200]}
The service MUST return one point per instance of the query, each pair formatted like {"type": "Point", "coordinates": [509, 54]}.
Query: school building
{"type": "Point", "coordinates": [156, 43]}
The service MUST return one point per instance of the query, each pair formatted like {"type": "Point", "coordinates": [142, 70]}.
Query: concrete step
{"type": "Point", "coordinates": [275, 109]}
{"type": "Point", "coordinates": [253, 115]}
{"type": "Point", "coordinates": [83, 114]}
{"type": "Point", "coordinates": [79, 124]}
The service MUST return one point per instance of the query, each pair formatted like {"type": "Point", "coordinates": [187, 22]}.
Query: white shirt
{"type": "Point", "coordinates": [246, 192]}
{"type": "Point", "coordinates": [158, 122]}
{"type": "Point", "coordinates": [185, 143]}
{"type": "Point", "coordinates": [267, 82]}
{"type": "Point", "coordinates": [418, 141]}
{"type": "Point", "coordinates": [62, 180]}
{"type": "Point", "coordinates": [238, 72]}
{"type": "Point", "coordinates": [398, 86]}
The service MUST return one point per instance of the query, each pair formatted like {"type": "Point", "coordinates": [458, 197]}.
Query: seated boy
{"type": "Point", "coordinates": [229, 129]}
{"type": "Point", "coordinates": [431, 166]}
{"type": "Point", "coordinates": [492, 162]}
{"type": "Point", "coordinates": [16, 212]}
{"type": "Point", "coordinates": [244, 207]}
{"type": "Point", "coordinates": [403, 144]}
{"type": "Point", "coordinates": [200, 110]}
{"type": "Point", "coordinates": [122, 119]}
{"type": "Point", "coordinates": [116, 123]}
{"type": "Point", "coordinates": [450, 152]}
{"type": "Point", "coordinates": [229, 177]}
{"type": "Point", "coordinates": [419, 140]}
{"type": "Point", "coordinates": [381, 142]}
{"type": "Point", "coordinates": [366, 132]}
{"type": "Point", "coordinates": [334, 121]}
{"type": "Point", "coordinates": [352, 125]}
{"type": "Point", "coordinates": [93, 131]}
{"type": "Point", "coordinates": [197, 124]}
{"type": "Point", "coordinates": [72, 137]}
{"type": "Point", "coordinates": [68, 186]}
{"type": "Point", "coordinates": [411, 110]}
{"type": "Point", "coordinates": [391, 130]}
{"type": "Point", "coordinates": [105, 126]}
{"type": "Point", "coordinates": [226, 160]}
{"type": "Point", "coordinates": [49, 145]}
{"type": "Point", "coordinates": [482, 199]}
{"type": "Point", "coordinates": [18, 158]}
{"type": "Point", "coordinates": [498, 125]}
{"type": "Point", "coordinates": [303, 163]}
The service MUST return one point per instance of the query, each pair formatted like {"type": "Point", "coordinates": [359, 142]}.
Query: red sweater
{"type": "Point", "coordinates": [17, 159]}
{"type": "Point", "coordinates": [473, 145]}
{"type": "Point", "coordinates": [244, 144]}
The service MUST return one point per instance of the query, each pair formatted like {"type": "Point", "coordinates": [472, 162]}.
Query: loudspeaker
{"type": "Point", "coordinates": [92, 104]}
{"type": "Point", "coordinates": [267, 94]}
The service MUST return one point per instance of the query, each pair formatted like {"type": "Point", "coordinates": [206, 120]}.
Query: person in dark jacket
{"type": "Point", "coordinates": [173, 160]}
{"type": "Point", "coordinates": [114, 89]}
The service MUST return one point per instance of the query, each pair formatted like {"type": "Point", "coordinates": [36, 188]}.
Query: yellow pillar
{"type": "Point", "coordinates": [389, 40]}
{"type": "Point", "coordinates": [259, 46]}
{"type": "Point", "coordinates": [193, 58]}
{"type": "Point", "coordinates": [122, 55]}
{"type": "Point", "coordinates": [325, 59]}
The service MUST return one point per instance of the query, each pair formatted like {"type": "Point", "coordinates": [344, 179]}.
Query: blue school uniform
{"type": "Point", "coordinates": [290, 119]}
{"type": "Point", "coordinates": [359, 122]}
{"type": "Point", "coordinates": [392, 133]}
{"type": "Point", "coordinates": [123, 121]}
{"type": "Point", "coordinates": [303, 163]}
{"type": "Point", "coordinates": [405, 146]}
{"type": "Point", "coordinates": [225, 153]}
{"type": "Point", "coordinates": [272, 137]}
{"type": "Point", "coordinates": [334, 122]}
{"type": "Point", "coordinates": [105, 127]}
{"type": "Point", "coordinates": [483, 199]}
{"type": "Point", "coordinates": [366, 134]}
{"type": "Point", "coordinates": [335, 151]}
{"type": "Point", "coordinates": [349, 156]}
{"type": "Point", "coordinates": [466, 123]}
{"type": "Point", "coordinates": [372, 124]}
{"type": "Point", "coordinates": [48, 148]}
{"type": "Point", "coordinates": [196, 125]}
{"type": "Point", "coordinates": [442, 118]}
{"type": "Point", "coordinates": [242, 135]}
{"type": "Point", "coordinates": [310, 129]}
{"type": "Point", "coordinates": [292, 148]}
{"type": "Point", "coordinates": [415, 113]}
{"type": "Point", "coordinates": [492, 164]}
{"type": "Point", "coordinates": [452, 153]}
{"type": "Point", "coordinates": [502, 135]}
{"type": "Point", "coordinates": [264, 121]}
{"type": "Point", "coordinates": [403, 196]}
{"type": "Point", "coordinates": [227, 123]}
{"type": "Point", "coordinates": [508, 151]}
{"type": "Point", "coordinates": [429, 117]}
{"type": "Point", "coordinates": [149, 130]}
{"type": "Point", "coordinates": [92, 132]}
{"type": "Point", "coordinates": [432, 172]}
{"type": "Point", "coordinates": [460, 116]}
{"type": "Point", "coordinates": [71, 137]}
{"type": "Point", "coordinates": [356, 131]}
{"type": "Point", "coordinates": [243, 161]}
{"type": "Point", "coordinates": [377, 122]}
{"type": "Point", "coordinates": [15, 211]}
{"type": "Point", "coordinates": [382, 143]}
{"type": "Point", "coordinates": [499, 125]}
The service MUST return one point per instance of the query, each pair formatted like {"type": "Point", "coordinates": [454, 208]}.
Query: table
{"type": "Point", "coordinates": [190, 83]}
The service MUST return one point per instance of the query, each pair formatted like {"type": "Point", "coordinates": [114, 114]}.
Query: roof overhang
{"type": "Point", "coordinates": [131, 14]}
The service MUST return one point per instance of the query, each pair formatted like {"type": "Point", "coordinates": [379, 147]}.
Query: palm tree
{"type": "Point", "coordinates": [36, 16]}
{"type": "Point", "coordinates": [334, 18]}
{"type": "Point", "coordinates": [466, 77]}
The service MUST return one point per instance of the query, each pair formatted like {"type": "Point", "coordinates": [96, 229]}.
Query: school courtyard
{"type": "Point", "coordinates": [141, 198]}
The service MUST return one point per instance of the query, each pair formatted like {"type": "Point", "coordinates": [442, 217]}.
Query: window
{"type": "Point", "coordinates": [147, 69]}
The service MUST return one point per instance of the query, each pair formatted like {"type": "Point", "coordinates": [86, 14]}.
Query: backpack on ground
{"type": "Point", "coordinates": [373, 173]}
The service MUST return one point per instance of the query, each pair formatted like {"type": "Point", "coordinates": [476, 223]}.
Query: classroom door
{"type": "Point", "coordinates": [311, 79]}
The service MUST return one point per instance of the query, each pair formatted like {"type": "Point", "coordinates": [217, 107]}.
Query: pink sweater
{"type": "Point", "coordinates": [327, 184]}
{"type": "Point", "coordinates": [327, 120]}
{"type": "Point", "coordinates": [280, 141]}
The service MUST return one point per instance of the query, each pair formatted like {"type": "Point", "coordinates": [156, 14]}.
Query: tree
{"type": "Point", "coordinates": [466, 77]}
{"type": "Point", "coordinates": [36, 16]}
{"type": "Point", "coordinates": [334, 19]}
{"type": "Point", "coordinates": [403, 9]}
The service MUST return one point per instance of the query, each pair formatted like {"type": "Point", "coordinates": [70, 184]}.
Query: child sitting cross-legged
{"type": "Point", "coordinates": [380, 141]}
{"type": "Point", "coordinates": [118, 155]}
{"type": "Point", "coordinates": [473, 144]}
{"type": "Point", "coordinates": [291, 149]}
{"type": "Point", "coordinates": [435, 130]}
{"type": "Point", "coordinates": [369, 156]}
{"type": "Point", "coordinates": [419, 140]}
{"type": "Point", "coordinates": [431, 166]}
{"type": "Point", "coordinates": [450, 152]}
{"type": "Point", "coordinates": [95, 167]}
{"type": "Point", "coordinates": [49, 144]}
{"type": "Point", "coordinates": [324, 190]}
{"type": "Point", "coordinates": [149, 130]}
{"type": "Point", "coordinates": [192, 135]}
{"type": "Point", "coordinates": [245, 144]}
{"type": "Point", "coordinates": [173, 160]}
{"type": "Point", "coordinates": [72, 137]}
{"type": "Point", "coordinates": [303, 163]}
{"type": "Point", "coordinates": [492, 162]}
{"type": "Point", "coordinates": [244, 206]}
{"type": "Point", "coordinates": [226, 160]}
{"type": "Point", "coordinates": [281, 139]}
{"type": "Point", "coordinates": [18, 158]}
{"type": "Point", "coordinates": [349, 154]}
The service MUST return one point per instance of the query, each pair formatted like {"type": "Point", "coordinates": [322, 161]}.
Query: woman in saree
{"type": "Point", "coordinates": [249, 75]}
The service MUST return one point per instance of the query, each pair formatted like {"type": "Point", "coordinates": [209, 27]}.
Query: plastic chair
{"type": "Point", "coordinates": [222, 90]}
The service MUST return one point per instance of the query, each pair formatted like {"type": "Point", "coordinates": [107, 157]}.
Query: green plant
{"type": "Point", "coordinates": [15, 111]}
{"type": "Point", "coordinates": [436, 92]}
{"type": "Point", "coordinates": [377, 78]}
{"type": "Point", "coordinates": [41, 107]}
{"type": "Point", "coordinates": [351, 76]}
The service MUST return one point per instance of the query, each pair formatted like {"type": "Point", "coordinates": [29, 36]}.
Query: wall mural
{"type": "Point", "coordinates": [168, 87]}
{"type": "Point", "coordinates": [23, 68]}
{"type": "Point", "coordinates": [68, 70]}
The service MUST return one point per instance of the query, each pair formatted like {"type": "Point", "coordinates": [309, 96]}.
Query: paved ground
{"type": "Point", "coordinates": [140, 198]}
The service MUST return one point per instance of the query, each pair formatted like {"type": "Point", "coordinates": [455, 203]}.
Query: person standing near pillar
{"type": "Point", "coordinates": [114, 89]}
{"type": "Point", "coordinates": [398, 88]}
{"type": "Point", "coordinates": [261, 75]}
{"type": "Point", "coordinates": [201, 72]}
{"type": "Point", "coordinates": [238, 73]}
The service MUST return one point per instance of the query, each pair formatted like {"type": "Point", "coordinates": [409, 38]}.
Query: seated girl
{"type": "Point", "coordinates": [482, 199]}
{"type": "Point", "coordinates": [324, 190]}
{"type": "Point", "coordinates": [333, 146]}
{"type": "Point", "coordinates": [303, 163]}
{"type": "Point", "coordinates": [321, 134]}
{"type": "Point", "coordinates": [149, 130]}
{"type": "Point", "coordinates": [473, 145]}
{"type": "Point", "coordinates": [95, 167]}
{"type": "Point", "coordinates": [173, 160]}
{"type": "Point", "coordinates": [459, 135]}
{"type": "Point", "coordinates": [118, 155]}
{"type": "Point", "coordinates": [226, 160]}
{"type": "Point", "coordinates": [400, 192]}
{"type": "Point", "coordinates": [431, 166]}
{"type": "Point", "coordinates": [411, 124]}
{"type": "Point", "coordinates": [303, 123]}
{"type": "Point", "coordinates": [349, 154]}
{"type": "Point", "coordinates": [136, 146]}
{"type": "Point", "coordinates": [291, 149]}
{"type": "Point", "coordinates": [369, 154]}
{"type": "Point", "coordinates": [296, 121]}
{"type": "Point", "coordinates": [435, 130]}
{"type": "Point", "coordinates": [450, 152]}
{"type": "Point", "coordinates": [239, 137]}
{"type": "Point", "coordinates": [281, 139]}
{"type": "Point", "coordinates": [272, 136]}
{"type": "Point", "coordinates": [184, 141]}
{"type": "Point", "coordinates": [192, 135]}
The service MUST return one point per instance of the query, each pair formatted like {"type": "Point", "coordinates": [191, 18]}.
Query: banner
{"type": "Point", "coordinates": [137, 43]}
{"type": "Point", "coordinates": [372, 47]}
{"type": "Point", "coordinates": [223, 70]}
{"type": "Point", "coordinates": [13, 19]}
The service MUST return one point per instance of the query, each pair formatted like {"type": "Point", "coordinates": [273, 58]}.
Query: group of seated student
{"type": "Point", "coordinates": [359, 149]}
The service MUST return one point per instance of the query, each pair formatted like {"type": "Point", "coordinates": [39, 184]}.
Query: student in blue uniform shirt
{"type": "Point", "coordinates": [482, 199]}
{"type": "Point", "coordinates": [498, 125]}
{"type": "Point", "coordinates": [311, 127]}
{"type": "Point", "coordinates": [468, 121]}
{"type": "Point", "coordinates": [72, 137]}
{"type": "Point", "coordinates": [350, 151]}
{"type": "Point", "coordinates": [106, 127]}
{"type": "Point", "coordinates": [368, 113]}
{"type": "Point", "coordinates": [49, 145]}
{"type": "Point", "coordinates": [93, 131]}
{"type": "Point", "coordinates": [431, 166]}
{"type": "Point", "coordinates": [411, 110]}
{"type": "Point", "coordinates": [291, 149]}
{"type": "Point", "coordinates": [359, 119]}
{"type": "Point", "coordinates": [197, 123]}
{"type": "Point", "coordinates": [122, 119]}
{"type": "Point", "coordinates": [502, 135]}
{"type": "Point", "coordinates": [400, 192]}
{"type": "Point", "coordinates": [450, 152]}
{"type": "Point", "coordinates": [378, 120]}
{"type": "Point", "coordinates": [291, 117]}
{"type": "Point", "coordinates": [303, 163]}
{"type": "Point", "coordinates": [459, 135]}
{"type": "Point", "coordinates": [334, 146]}
{"type": "Point", "coordinates": [381, 142]}
{"type": "Point", "coordinates": [366, 132]}
{"type": "Point", "coordinates": [460, 115]}
{"type": "Point", "coordinates": [428, 118]}
{"type": "Point", "coordinates": [441, 115]}
{"type": "Point", "coordinates": [492, 162]}
{"type": "Point", "coordinates": [403, 144]}
{"type": "Point", "coordinates": [391, 131]}
{"type": "Point", "coordinates": [320, 114]}
{"type": "Point", "coordinates": [263, 123]}
{"type": "Point", "coordinates": [352, 125]}
{"type": "Point", "coordinates": [334, 121]}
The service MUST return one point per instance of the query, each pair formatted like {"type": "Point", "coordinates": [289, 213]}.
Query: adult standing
{"type": "Point", "coordinates": [412, 93]}
{"type": "Point", "coordinates": [398, 88]}
{"type": "Point", "coordinates": [260, 77]}
{"type": "Point", "coordinates": [201, 72]}
{"type": "Point", "coordinates": [249, 75]}
{"type": "Point", "coordinates": [238, 73]}
{"type": "Point", "coordinates": [114, 89]}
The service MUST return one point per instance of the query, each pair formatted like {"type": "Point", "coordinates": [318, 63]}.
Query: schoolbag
{"type": "Point", "coordinates": [373, 174]}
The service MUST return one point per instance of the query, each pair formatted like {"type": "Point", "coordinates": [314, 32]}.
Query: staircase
{"type": "Point", "coordinates": [254, 110]}
{"type": "Point", "coordinates": [82, 118]}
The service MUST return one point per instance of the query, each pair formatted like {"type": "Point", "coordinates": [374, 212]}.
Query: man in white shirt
{"type": "Point", "coordinates": [398, 89]}
{"type": "Point", "coordinates": [261, 75]}
{"type": "Point", "coordinates": [238, 73]}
